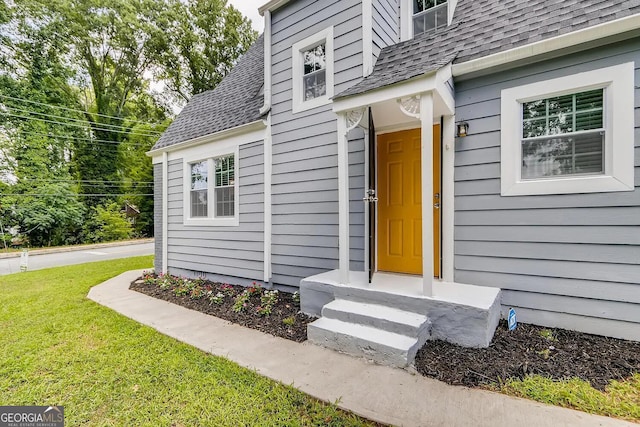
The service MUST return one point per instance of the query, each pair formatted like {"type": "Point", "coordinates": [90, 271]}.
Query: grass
{"type": "Point", "coordinates": [620, 399]}
{"type": "Point", "coordinates": [59, 348]}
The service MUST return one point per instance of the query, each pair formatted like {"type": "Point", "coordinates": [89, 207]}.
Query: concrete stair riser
{"type": "Point", "coordinates": [385, 318]}
{"type": "Point", "coordinates": [362, 341]}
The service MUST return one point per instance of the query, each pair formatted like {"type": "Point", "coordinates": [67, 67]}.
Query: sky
{"type": "Point", "coordinates": [249, 8]}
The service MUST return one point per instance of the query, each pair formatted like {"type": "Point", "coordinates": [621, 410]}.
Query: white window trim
{"type": "Point", "coordinates": [211, 154]}
{"type": "Point", "coordinates": [297, 50]}
{"type": "Point", "coordinates": [618, 84]}
{"type": "Point", "coordinates": [406, 17]}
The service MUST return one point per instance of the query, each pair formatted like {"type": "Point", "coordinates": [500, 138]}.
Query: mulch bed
{"type": "Point", "coordinates": [285, 308]}
{"type": "Point", "coordinates": [554, 353]}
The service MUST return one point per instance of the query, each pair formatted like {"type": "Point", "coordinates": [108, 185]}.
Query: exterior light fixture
{"type": "Point", "coordinates": [462, 128]}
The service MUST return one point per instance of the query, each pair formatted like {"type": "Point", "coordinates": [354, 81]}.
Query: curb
{"type": "Point", "coordinates": [77, 248]}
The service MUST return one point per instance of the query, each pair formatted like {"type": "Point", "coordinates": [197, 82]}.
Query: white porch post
{"type": "Point", "coordinates": [426, 120]}
{"type": "Point", "coordinates": [343, 199]}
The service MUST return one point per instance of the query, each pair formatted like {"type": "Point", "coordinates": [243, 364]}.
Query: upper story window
{"type": "Point", "coordinates": [429, 15]}
{"type": "Point", "coordinates": [312, 69]}
{"type": "Point", "coordinates": [315, 72]}
{"type": "Point", "coordinates": [573, 134]}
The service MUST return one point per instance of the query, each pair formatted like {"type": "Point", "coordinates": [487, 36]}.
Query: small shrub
{"type": "Point", "coordinates": [241, 302]}
{"type": "Point", "coordinates": [228, 290]}
{"type": "Point", "coordinates": [289, 321]}
{"type": "Point", "coordinates": [217, 298]}
{"type": "Point", "coordinates": [267, 301]}
{"type": "Point", "coordinates": [254, 289]}
{"type": "Point", "coordinates": [296, 297]}
{"type": "Point", "coordinates": [197, 292]}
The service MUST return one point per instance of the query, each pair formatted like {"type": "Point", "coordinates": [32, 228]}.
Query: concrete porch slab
{"type": "Point", "coordinates": [462, 314]}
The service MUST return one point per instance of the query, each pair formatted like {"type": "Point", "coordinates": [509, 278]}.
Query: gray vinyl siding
{"type": "Point", "coordinates": [571, 261]}
{"type": "Point", "coordinates": [305, 160]}
{"type": "Point", "coordinates": [157, 216]}
{"type": "Point", "coordinates": [221, 252]}
{"type": "Point", "coordinates": [386, 24]}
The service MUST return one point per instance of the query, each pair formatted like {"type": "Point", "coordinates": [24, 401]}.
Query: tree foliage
{"type": "Point", "coordinates": [80, 101]}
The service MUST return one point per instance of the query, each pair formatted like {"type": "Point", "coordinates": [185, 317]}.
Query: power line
{"type": "Point", "coordinates": [76, 125]}
{"type": "Point", "coordinates": [84, 140]}
{"type": "Point", "coordinates": [82, 180]}
{"type": "Point", "coordinates": [79, 195]}
{"type": "Point", "coordinates": [119, 127]}
{"type": "Point", "coordinates": [72, 109]}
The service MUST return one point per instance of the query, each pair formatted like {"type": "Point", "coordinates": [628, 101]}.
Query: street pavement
{"type": "Point", "coordinates": [80, 256]}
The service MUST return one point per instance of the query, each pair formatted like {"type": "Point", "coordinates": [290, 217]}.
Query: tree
{"type": "Point", "coordinates": [201, 41]}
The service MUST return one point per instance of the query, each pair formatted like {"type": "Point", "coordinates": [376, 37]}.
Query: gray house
{"type": "Point", "coordinates": [417, 168]}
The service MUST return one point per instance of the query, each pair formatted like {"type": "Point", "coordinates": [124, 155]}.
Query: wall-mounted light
{"type": "Point", "coordinates": [462, 128]}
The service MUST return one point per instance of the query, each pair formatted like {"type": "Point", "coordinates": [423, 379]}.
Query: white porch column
{"type": "Point", "coordinates": [343, 198]}
{"type": "Point", "coordinates": [426, 120]}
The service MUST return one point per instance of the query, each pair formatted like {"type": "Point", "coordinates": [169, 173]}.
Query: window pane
{"type": "Point", "coordinates": [199, 176]}
{"type": "Point", "coordinates": [314, 59]}
{"type": "Point", "coordinates": [573, 155]}
{"type": "Point", "coordinates": [441, 17]}
{"type": "Point", "coordinates": [422, 5]}
{"type": "Point", "coordinates": [315, 85]}
{"type": "Point", "coordinates": [199, 204]}
{"type": "Point", "coordinates": [225, 202]}
{"type": "Point", "coordinates": [564, 114]}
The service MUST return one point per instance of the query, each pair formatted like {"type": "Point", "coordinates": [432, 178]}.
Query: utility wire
{"type": "Point", "coordinates": [82, 140]}
{"type": "Point", "coordinates": [77, 125]}
{"type": "Point", "coordinates": [79, 195]}
{"type": "Point", "coordinates": [119, 127]}
{"type": "Point", "coordinates": [82, 180]}
{"type": "Point", "coordinates": [71, 109]}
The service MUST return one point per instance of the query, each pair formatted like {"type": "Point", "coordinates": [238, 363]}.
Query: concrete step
{"type": "Point", "coordinates": [384, 347]}
{"type": "Point", "coordinates": [378, 316]}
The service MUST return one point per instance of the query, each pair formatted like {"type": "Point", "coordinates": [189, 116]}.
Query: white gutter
{"type": "Point", "coordinates": [227, 133]}
{"type": "Point", "coordinates": [597, 32]}
{"type": "Point", "coordinates": [165, 211]}
{"type": "Point", "coordinates": [267, 64]}
{"type": "Point", "coordinates": [272, 5]}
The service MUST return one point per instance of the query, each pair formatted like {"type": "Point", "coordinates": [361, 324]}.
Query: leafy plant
{"type": "Point", "coordinates": [289, 321]}
{"type": "Point", "coordinates": [296, 297]}
{"type": "Point", "coordinates": [267, 301]}
{"type": "Point", "coordinates": [228, 289]}
{"type": "Point", "coordinates": [217, 298]}
{"type": "Point", "coordinates": [241, 302]}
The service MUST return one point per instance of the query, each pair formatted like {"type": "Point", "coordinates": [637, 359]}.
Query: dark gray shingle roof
{"type": "Point", "coordinates": [234, 102]}
{"type": "Point", "coordinates": [485, 27]}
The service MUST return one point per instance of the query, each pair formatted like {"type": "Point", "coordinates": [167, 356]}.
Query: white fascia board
{"type": "Point", "coordinates": [575, 38]}
{"type": "Point", "coordinates": [425, 83]}
{"type": "Point", "coordinates": [257, 126]}
{"type": "Point", "coordinates": [272, 5]}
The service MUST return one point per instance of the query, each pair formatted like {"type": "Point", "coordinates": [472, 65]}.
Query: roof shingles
{"type": "Point", "coordinates": [234, 102]}
{"type": "Point", "coordinates": [485, 27]}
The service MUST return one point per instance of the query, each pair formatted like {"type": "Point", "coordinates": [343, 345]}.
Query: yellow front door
{"type": "Point", "coordinates": [400, 202]}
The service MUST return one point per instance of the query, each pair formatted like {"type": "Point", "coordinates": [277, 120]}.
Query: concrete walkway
{"type": "Point", "coordinates": [380, 393]}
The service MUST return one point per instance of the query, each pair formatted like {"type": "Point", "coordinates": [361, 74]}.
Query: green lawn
{"type": "Point", "coordinates": [59, 348]}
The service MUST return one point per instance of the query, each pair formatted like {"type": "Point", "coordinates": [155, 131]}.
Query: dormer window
{"type": "Point", "coordinates": [429, 15]}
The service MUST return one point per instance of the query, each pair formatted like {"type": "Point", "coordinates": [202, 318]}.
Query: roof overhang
{"type": "Point", "coordinates": [521, 54]}
{"type": "Point", "coordinates": [434, 82]}
{"type": "Point", "coordinates": [212, 137]}
{"type": "Point", "coordinates": [272, 5]}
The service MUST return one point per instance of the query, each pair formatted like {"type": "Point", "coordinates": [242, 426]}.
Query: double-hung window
{"type": "Point", "coordinates": [573, 134]}
{"type": "Point", "coordinates": [211, 191]}
{"type": "Point", "coordinates": [429, 15]}
{"type": "Point", "coordinates": [312, 68]}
